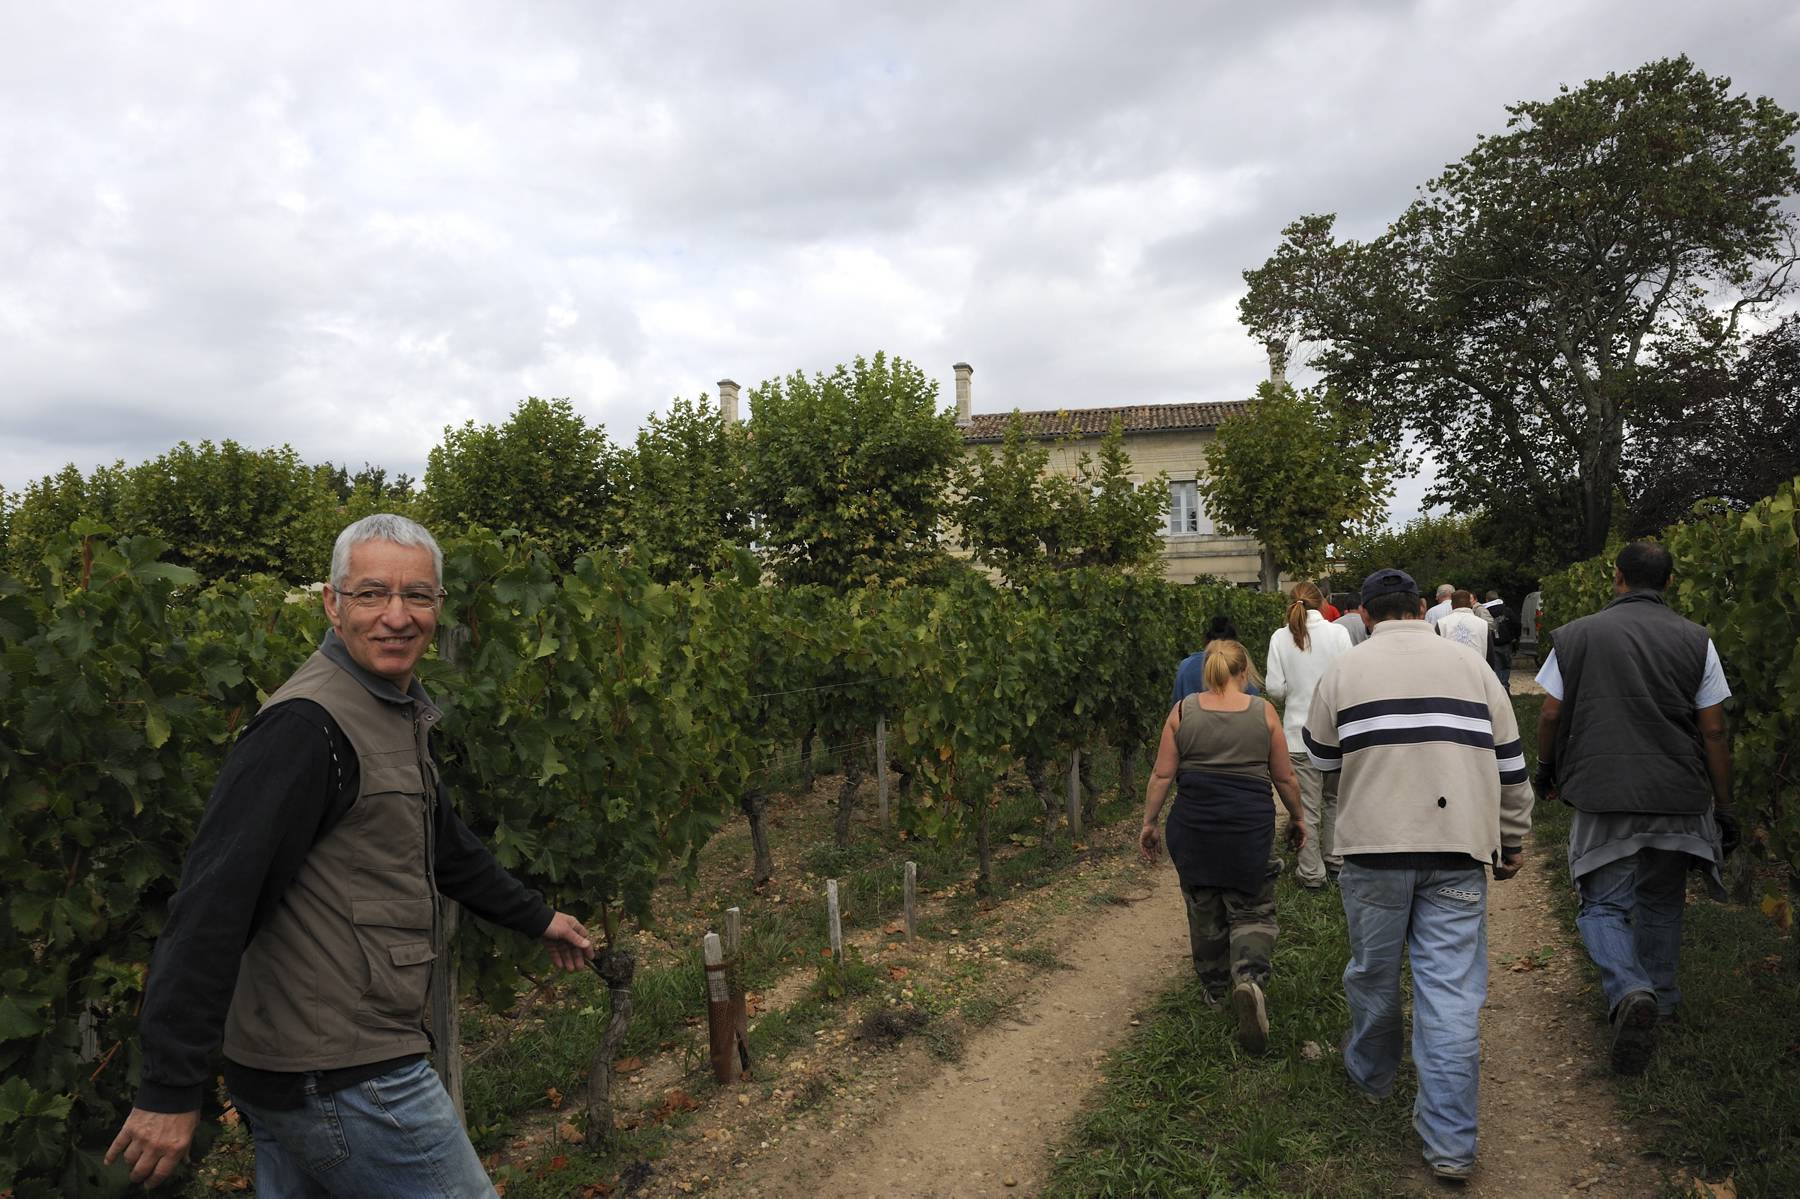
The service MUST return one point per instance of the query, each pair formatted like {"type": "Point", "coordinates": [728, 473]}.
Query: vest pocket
{"type": "Point", "coordinates": [395, 938]}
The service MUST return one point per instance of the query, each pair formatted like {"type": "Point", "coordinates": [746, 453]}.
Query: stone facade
{"type": "Point", "coordinates": [1168, 439]}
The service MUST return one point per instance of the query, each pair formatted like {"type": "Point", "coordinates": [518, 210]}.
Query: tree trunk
{"type": "Point", "coordinates": [755, 804]}
{"type": "Point", "coordinates": [1038, 771]}
{"type": "Point", "coordinates": [846, 804]}
{"type": "Point", "coordinates": [1090, 794]}
{"type": "Point", "coordinates": [616, 968]}
{"type": "Point", "coordinates": [806, 759]}
{"type": "Point", "coordinates": [1270, 570]}
{"type": "Point", "coordinates": [1129, 754]}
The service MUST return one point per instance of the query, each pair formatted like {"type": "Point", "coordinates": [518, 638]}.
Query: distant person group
{"type": "Point", "coordinates": [1400, 763]}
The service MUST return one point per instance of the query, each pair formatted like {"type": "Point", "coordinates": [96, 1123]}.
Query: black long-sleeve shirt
{"type": "Point", "coordinates": [291, 776]}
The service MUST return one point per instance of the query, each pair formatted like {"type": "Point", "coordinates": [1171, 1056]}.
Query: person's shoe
{"type": "Point", "coordinates": [1450, 1172]}
{"type": "Point", "coordinates": [1318, 886]}
{"type": "Point", "coordinates": [1634, 1033]}
{"type": "Point", "coordinates": [1252, 1016]}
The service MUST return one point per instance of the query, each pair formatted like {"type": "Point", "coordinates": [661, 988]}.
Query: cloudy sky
{"type": "Point", "coordinates": [344, 226]}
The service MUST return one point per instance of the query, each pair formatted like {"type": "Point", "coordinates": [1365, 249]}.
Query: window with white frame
{"type": "Point", "coordinates": [1185, 514]}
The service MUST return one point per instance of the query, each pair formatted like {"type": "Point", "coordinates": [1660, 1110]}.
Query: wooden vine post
{"type": "Point", "coordinates": [1075, 794]}
{"type": "Point", "coordinates": [881, 771]}
{"type": "Point", "coordinates": [912, 888]}
{"type": "Point", "coordinates": [837, 928]}
{"type": "Point", "coordinates": [721, 1027]}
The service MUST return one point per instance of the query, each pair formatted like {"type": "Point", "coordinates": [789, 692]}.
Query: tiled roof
{"type": "Point", "coordinates": [1094, 422]}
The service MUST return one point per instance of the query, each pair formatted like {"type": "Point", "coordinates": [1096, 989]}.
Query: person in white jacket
{"type": "Point", "coordinates": [1299, 652]}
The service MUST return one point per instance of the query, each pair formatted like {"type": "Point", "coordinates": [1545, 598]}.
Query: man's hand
{"type": "Point", "coordinates": [1149, 841]}
{"type": "Point", "coordinates": [1544, 781]}
{"type": "Point", "coordinates": [1510, 861]}
{"type": "Point", "coordinates": [1296, 834]}
{"type": "Point", "coordinates": [153, 1144]}
{"type": "Point", "coordinates": [1731, 834]}
{"type": "Point", "coordinates": [568, 943]}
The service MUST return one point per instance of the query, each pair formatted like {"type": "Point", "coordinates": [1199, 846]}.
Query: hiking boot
{"type": "Point", "coordinates": [1634, 1033]}
{"type": "Point", "coordinates": [1252, 1016]}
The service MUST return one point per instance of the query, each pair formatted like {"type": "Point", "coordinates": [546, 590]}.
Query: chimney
{"type": "Point", "coordinates": [728, 402]}
{"type": "Point", "coordinates": [1277, 348]}
{"type": "Point", "coordinates": [965, 404]}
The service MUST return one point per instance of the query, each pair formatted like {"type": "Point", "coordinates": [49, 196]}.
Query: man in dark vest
{"type": "Point", "coordinates": [1633, 737]}
{"type": "Point", "coordinates": [303, 933]}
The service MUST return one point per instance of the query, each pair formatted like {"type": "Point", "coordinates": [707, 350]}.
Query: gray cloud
{"type": "Point", "coordinates": [347, 227]}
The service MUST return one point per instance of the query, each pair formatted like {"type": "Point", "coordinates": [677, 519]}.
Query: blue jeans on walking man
{"type": "Point", "coordinates": [1438, 917]}
{"type": "Point", "coordinates": [1630, 921]}
{"type": "Point", "coordinates": [395, 1136]}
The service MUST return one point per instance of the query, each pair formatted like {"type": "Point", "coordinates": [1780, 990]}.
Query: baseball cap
{"type": "Point", "coordinates": [1388, 582]}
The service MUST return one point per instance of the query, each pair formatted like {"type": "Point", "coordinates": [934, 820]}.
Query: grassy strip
{"type": "Point", "coordinates": [1723, 1094]}
{"type": "Point", "coordinates": [1185, 1111]}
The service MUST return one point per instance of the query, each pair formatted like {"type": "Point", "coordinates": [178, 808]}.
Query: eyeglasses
{"type": "Point", "coordinates": [379, 597]}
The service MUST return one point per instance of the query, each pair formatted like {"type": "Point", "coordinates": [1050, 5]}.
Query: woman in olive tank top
{"type": "Point", "coordinates": [1222, 750]}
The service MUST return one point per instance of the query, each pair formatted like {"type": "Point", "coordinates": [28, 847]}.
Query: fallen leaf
{"type": "Point", "coordinates": [1699, 1188]}
{"type": "Point", "coordinates": [596, 1190]}
{"type": "Point", "coordinates": [560, 1162]}
{"type": "Point", "coordinates": [675, 1101]}
{"type": "Point", "coordinates": [229, 1117]}
{"type": "Point", "coordinates": [566, 1131]}
{"type": "Point", "coordinates": [628, 1065]}
{"type": "Point", "coordinates": [898, 972]}
{"type": "Point", "coordinates": [1776, 908]}
{"type": "Point", "coordinates": [894, 926]}
{"type": "Point", "coordinates": [555, 1097]}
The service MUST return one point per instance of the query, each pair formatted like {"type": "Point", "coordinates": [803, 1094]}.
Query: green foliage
{"type": "Point", "coordinates": [1735, 573]}
{"type": "Point", "coordinates": [1435, 549]}
{"type": "Point", "coordinates": [225, 511]}
{"type": "Point", "coordinates": [681, 492]}
{"type": "Point", "coordinates": [1300, 473]}
{"type": "Point", "coordinates": [118, 700]}
{"type": "Point", "coordinates": [228, 511]}
{"type": "Point", "coordinates": [1022, 521]}
{"type": "Point", "coordinates": [1551, 285]}
{"type": "Point", "coordinates": [545, 472]}
{"type": "Point", "coordinates": [847, 473]}
{"type": "Point", "coordinates": [41, 515]}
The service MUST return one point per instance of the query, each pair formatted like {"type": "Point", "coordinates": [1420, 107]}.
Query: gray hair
{"type": "Point", "coordinates": [382, 526]}
{"type": "Point", "coordinates": [1445, 591]}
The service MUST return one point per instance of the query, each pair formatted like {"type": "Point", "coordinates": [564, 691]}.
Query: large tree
{"type": "Point", "coordinates": [1733, 435]}
{"type": "Point", "coordinates": [847, 473]}
{"type": "Point", "coordinates": [1299, 472]}
{"type": "Point", "coordinates": [546, 472]}
{"type": "Point", "coordinates": [1537, 293]}
{"type": "Point", "coordinates": [681, 491]}
{"type": "Point", "coordinates": [1021, 520]}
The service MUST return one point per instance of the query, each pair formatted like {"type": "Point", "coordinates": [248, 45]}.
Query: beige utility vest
{"type": "Point", "coordinates": [340, 974]}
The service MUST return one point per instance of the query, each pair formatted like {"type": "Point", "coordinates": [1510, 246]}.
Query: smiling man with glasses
{"type": "Point", "coordinates": [303, 936]}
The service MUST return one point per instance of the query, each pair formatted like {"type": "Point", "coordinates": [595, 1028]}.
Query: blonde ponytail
{"type": "Point", "coordinates": [1226, 660]}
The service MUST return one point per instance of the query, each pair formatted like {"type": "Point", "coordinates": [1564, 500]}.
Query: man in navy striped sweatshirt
{"type": "Point", "coordinates": [1433, 795]}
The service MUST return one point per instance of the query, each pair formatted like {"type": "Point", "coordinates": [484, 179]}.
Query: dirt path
{"type": "Point", "coordinates": [1549, 1122]}
{"type": "Point", "coordinates": [984, 1125]}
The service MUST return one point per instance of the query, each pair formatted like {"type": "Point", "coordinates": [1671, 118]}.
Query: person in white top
{"type": "Point", "coordinates": [1299, 652]}
{"type": "Point", "coordinates": [1440, 609]}
{"type": "Point", "coordinates": [1465, 627]}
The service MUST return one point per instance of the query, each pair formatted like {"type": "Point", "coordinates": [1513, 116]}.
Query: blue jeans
{"type": "Point", "coordinates": [1630, 922]}
{"type": "Point", "coordinates": [1438, 916]}
{"type": "Point", "coordinates": [395, 1135]}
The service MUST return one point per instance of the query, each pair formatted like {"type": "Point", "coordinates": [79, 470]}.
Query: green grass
{"type": "Point", "coordinates": [1184, 1111]}
{"type": "Point", "coordinates": [1722, 1096]}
